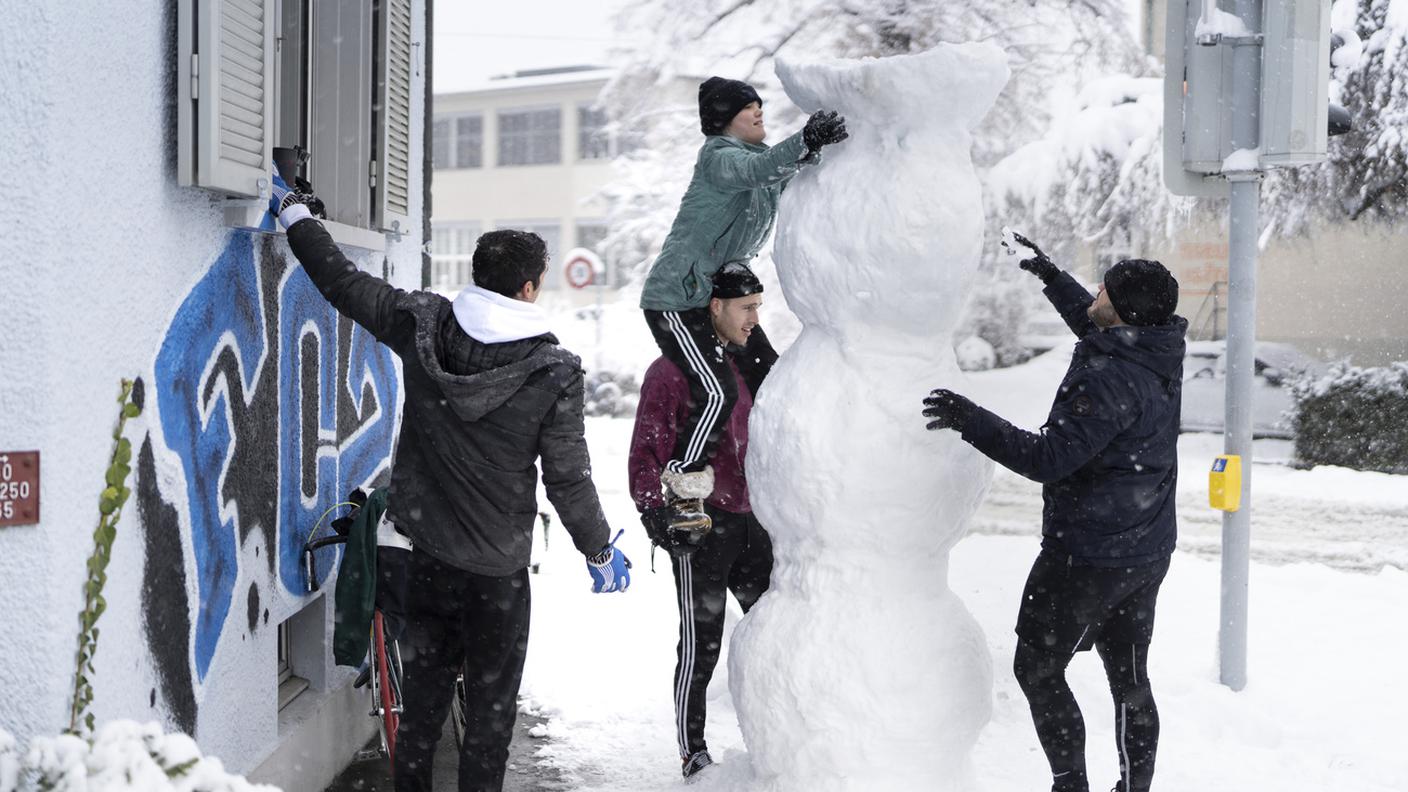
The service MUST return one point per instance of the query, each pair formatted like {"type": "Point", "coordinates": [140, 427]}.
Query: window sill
{"type": "Point", "coordinates": [289, 690]}
{"type": "Point", "coordinates": [254, 217]}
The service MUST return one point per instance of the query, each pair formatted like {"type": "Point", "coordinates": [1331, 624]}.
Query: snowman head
{"type": "Point", "coordinates": [885, 234]}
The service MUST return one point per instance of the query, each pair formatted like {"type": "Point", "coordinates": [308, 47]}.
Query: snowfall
{"type": "Point", "coordinates": [1323, 708]}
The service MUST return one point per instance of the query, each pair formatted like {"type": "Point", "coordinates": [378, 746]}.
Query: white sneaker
{"type": "Point", "coordinates": [689, 486]}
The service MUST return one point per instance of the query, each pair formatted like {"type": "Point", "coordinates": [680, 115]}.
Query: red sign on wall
{"type": "Point", "coordinates": [19, 488]}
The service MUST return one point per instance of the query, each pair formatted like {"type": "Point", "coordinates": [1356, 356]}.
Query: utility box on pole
{"type": "Point", "coordinates": [1295, 83]}
{"type": "Point", "coordinates": [1197, 130]}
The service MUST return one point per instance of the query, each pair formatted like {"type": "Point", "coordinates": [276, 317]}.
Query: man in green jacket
{"type": "Point", "coordinates": [725, 217]}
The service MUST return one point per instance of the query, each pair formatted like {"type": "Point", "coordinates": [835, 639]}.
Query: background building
{"type": "Point", "coordinates": [530, 150]}
{"type": "Point", "coordinates": [138, 246]}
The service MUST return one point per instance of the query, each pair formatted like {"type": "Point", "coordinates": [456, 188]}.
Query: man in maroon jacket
{"type": "Point", "coordinates": [736, 554]}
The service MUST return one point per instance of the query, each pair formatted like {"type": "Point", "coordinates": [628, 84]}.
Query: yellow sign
{"type": "Point", "coordinates": [1225, 483]}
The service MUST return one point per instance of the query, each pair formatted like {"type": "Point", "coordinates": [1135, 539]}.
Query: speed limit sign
{"type": "Point", "coordinates": [581, 268]}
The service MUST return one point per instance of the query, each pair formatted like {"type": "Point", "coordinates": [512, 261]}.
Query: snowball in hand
{"type": "Point", "coordinates": [1010, 243]}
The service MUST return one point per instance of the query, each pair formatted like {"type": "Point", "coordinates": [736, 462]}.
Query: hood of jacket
{"type": "Point", "coordinates": [483, 375]}
{"type": "Point", "coordinates": [1159, 349]}
{"type": "Point", "coordinates": [492, 318]}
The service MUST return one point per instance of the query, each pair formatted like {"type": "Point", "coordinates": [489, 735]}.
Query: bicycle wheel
{"type": "Point", "coordinates": [386, 687]}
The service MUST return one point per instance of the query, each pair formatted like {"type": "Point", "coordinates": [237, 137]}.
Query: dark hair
{"type": "Point", "coordinates": [506, 259]}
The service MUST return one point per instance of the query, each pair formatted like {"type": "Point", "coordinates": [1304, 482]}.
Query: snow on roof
{"type": "Point", "coordinates": [547, 79]}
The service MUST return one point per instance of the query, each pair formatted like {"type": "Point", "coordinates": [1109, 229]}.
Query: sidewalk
{"type": "Point", "coordinates": [525, 773]}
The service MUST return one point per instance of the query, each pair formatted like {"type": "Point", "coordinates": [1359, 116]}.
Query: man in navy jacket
{"type": "Point", "coordinates": [1107, 457]}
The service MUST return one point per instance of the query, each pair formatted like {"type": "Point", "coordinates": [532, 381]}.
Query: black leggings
{"type": "Point", "coordinates": [687, 339]}
{"type": "Point", "coordinates": [1061, 729]}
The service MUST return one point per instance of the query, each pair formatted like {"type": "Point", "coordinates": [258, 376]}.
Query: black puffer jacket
{"type": "Point", "coordinates": [1108, 452]}
{"type": "Point", "coordinates": [476, 419]}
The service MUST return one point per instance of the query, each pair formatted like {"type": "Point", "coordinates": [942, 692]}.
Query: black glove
{"type": "Point", "coordinates": [1038, 264]}
{"type": "Point", "coordinates": [948, 409]}
{"type": "Point", "coordinates": [315, 204]}
{"type": "Point", "coordinates": [823, 129]}
{"type": "Point", "coordinates": [657, 525]}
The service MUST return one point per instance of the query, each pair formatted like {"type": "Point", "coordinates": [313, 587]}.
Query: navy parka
{"type": "Point", "coordinates": [1108, 452]}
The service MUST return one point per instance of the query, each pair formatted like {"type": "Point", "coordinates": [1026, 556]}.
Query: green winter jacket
{"type": "Point", "coordinates": [354, 599]}
{"type": "Point", "coordinates": [726, 215]}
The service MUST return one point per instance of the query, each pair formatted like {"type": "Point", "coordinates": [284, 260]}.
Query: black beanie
{"type": "Point", "coordinates": [720, 100]}
{"type": "Point", "coordinates": [734, 279]}
{"type": "Point", "coordinates": [1143, 292]}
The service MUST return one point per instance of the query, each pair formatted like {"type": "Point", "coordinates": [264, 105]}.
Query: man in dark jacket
{"type": "Point", "coordinates": [736, 553]}
{"type": "Point", "coordinates": [1108, 459]}
{"type": "Point", "coordinates": [488, 393]}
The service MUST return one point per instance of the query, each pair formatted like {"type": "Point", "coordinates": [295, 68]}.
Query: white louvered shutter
{"type": "Point", "coordinates": [393, 83]}
{"type": "Point", "coordinates": [226, 102]}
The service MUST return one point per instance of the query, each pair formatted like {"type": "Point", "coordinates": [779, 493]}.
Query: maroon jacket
{"type": "Point", "coordinates": [664, 407]}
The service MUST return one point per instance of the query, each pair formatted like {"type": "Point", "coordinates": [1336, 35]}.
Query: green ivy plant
{"type": "Point", "coordinates": [110, 503]}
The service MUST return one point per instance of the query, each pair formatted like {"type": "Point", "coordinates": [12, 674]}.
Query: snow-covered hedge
{"type": "Point", "coordinates": [124, 756]}
{"type": "Point", "coordinates": [1354, 417]}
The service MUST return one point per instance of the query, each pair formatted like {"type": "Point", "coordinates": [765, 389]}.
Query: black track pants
{"type": "Point", "coordinates": [736, 557]}
{"type": "Point", "coordinates": [1067, 608]}
{"type": "Point", "coordinates": [459, 618]}
{"type": "Point", "coordinates": [686, 338]}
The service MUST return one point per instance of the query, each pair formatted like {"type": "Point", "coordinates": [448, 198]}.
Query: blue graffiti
{"type": "Point", "coordinates": [276, 406]}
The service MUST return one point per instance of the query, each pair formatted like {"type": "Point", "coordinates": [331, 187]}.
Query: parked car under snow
{"type": "Point", "coordinates": [1205, 386]}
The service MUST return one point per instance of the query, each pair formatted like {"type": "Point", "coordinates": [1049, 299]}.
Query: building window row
{"type": "Point", "coordinates": [526, 136]}
{"type": "Point", "coordinates": [452, 250]}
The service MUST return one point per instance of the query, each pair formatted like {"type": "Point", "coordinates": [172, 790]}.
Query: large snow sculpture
{"type": "Point", "coordinates": [861, 669]}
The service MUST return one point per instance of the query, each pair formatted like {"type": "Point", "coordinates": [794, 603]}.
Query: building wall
{"type": "Point", "coordinates": [263, 407]}
{"type": "Point", "coordinates": [1334, 293]}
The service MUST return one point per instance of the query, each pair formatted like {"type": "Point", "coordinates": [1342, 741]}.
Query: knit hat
{"type": "Point", "coordinates": [1143, 292]}
{"type": "Point", "coordinates": [720, 100]}
{"type": "Point", "coordinates": [734, 279]}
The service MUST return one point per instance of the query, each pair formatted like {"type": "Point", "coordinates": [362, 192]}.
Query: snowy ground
{"type": "Point", "coordinates": [1322, 710]}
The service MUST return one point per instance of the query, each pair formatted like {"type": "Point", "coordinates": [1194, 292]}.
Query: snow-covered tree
{"type": "Point", "coordinates": [1099, 167]}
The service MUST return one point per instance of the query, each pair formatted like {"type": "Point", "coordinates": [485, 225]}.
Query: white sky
{"type": "Point", "coordinates": [478, 39]}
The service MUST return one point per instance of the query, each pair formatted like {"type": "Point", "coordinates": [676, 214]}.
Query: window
{"type": "Point", "coordinates": [458, 142]}
{"type": "Point", "coordinates": [290, 684]}
{"type": "Point", "coordinates": [593, 143]}
{"type": "Point", "coordinates": [530, 137]}
{"type": "Point", "coordinates": [334, 78]}
{"type": "Point", "coordinates": [452, 255]}
{"type": "Point", "coordinates": [551, 232]}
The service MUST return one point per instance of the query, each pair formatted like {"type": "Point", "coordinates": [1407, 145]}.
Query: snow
{"type": "Point", "coordinates": [124, 756]}
{"type": "Point", "coordinates": [1114, 117]}
{"type": "Point", "coordinates": [1242, 160]}
{"type": "Point", "coordinates": [1216, 22]}
{"type": "Point", "coordinates": [1321, 712]}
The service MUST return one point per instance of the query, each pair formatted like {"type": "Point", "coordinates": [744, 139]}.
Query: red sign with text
{"type": "Point", "coordinates": [19, 488]}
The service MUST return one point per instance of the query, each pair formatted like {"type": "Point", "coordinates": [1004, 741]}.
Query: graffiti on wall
{"type": "Point", "coordinates": [275, 406]}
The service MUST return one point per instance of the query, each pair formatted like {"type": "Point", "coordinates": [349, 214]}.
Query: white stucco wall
{"type": "Point", "coordinates": [103, 260]}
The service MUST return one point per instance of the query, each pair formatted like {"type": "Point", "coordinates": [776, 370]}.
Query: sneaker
{"type": "Point", "coordinates": [696, 762]}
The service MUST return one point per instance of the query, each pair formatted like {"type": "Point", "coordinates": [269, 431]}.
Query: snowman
{"type": "Point", "coordinates": [860, 669]}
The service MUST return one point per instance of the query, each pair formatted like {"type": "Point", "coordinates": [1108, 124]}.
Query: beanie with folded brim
{"type": "Point", "coordinates": [1143, 292]}
{"type": "Point", "coordinates": [720, 100]}
{"type": "Point", "coordinates": [734, 280]}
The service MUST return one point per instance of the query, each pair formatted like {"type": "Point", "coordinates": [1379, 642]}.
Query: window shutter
{"type": "Point", "coordinates": [225, 84]}
{"type": "Point", "coordinates": [393, 171]}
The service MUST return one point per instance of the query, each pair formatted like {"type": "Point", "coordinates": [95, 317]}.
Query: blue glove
{"type": "Point", "coordinates": [610, 569]}
{"type": "Point", "coordinates": [291, 205]}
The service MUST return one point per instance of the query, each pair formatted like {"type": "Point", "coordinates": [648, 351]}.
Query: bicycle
{"type": "Point", "coordinates": [383, 670]}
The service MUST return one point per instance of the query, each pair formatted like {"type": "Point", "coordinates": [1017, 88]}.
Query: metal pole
{"type": "Point", "coordinates": [1241, 348]}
